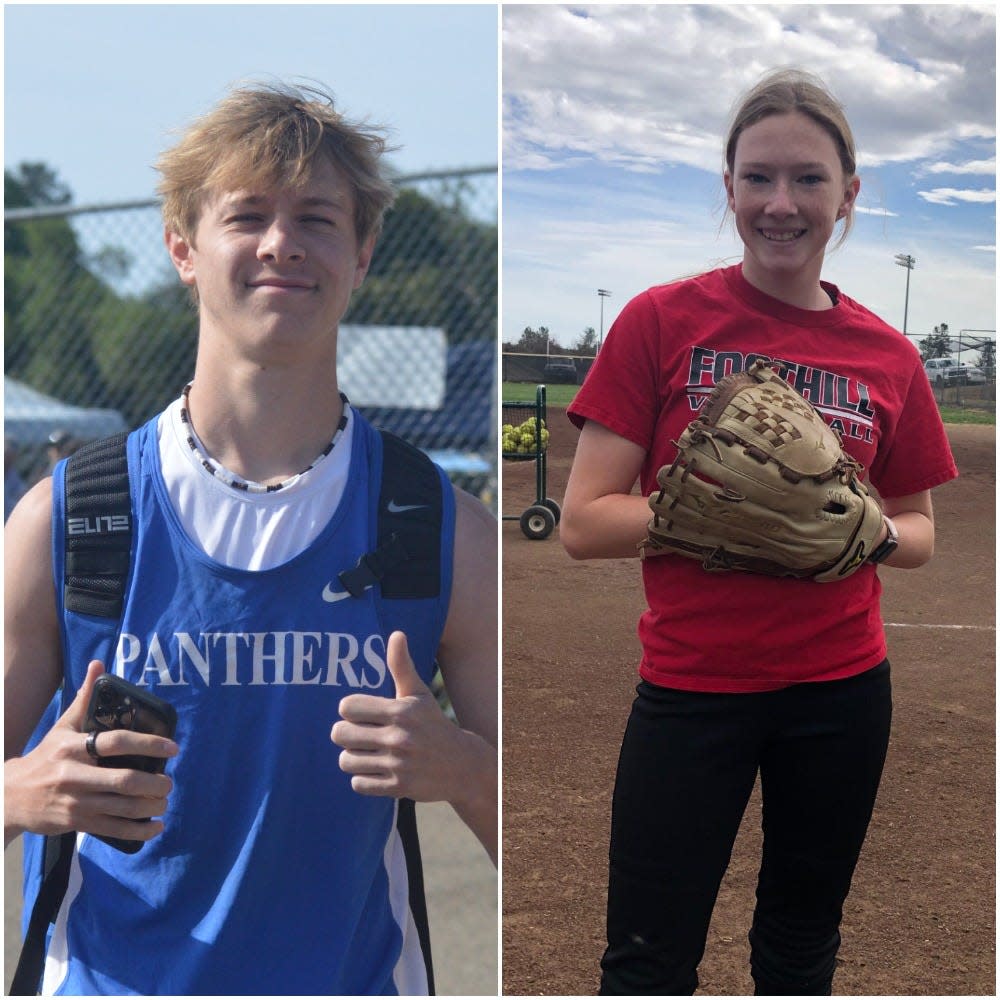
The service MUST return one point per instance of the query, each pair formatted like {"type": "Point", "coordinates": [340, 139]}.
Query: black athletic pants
{"type": "Point", "coordinates": [687, 767]}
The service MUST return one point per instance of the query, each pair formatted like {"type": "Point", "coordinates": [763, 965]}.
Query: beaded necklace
{"type": "Point", "coordinates": [230, 478]}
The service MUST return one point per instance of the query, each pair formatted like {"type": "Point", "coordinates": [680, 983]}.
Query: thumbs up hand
{"type": "Point", "coordinates": [403, 746]}
{"type": "Point", "coordinates": [403, 670]}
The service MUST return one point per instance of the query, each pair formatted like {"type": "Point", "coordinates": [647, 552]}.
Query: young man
{"type": "Point", "coordinates": [272, 860]}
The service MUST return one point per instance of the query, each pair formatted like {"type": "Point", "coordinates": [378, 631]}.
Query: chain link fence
{"type": "Point", "coordinates": [967, 394]}
{"type": "Point", "coordinates": [963, 369]}
{"type": "Point", "coordinates": [520, 366]}
{"type": "Point", "coordinates": [975, 390]}
{"type": "Point", "coordinates": [100, 335]}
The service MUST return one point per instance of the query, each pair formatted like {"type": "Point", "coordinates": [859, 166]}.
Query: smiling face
{"type": "Point", "coordinates": [275, 269]}
{"type": "Point", "coordinates": [787, 189]}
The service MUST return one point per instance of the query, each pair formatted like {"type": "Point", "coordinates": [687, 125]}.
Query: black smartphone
{"type": "Point", "coordinates": [117, 704]}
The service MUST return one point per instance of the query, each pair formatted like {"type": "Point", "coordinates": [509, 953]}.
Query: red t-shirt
{"type": "Point", "coordinates": [740, 632]}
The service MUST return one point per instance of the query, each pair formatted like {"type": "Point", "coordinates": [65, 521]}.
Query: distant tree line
{"type": "Point", "coordinates": [67, 332]}
{"type": "Point", "coordinates": [541, 341]}
{"type": "Point", "coordinates": [433, 266]}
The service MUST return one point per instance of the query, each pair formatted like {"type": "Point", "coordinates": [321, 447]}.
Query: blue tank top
{"type": "Point", "coordinates": [272, 875]}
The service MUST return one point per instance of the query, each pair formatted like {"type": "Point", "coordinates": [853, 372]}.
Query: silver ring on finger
{"type": "Point", "coordinates": [92, 745]}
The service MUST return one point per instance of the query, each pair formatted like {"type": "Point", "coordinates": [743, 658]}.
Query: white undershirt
{"type": "Point", "coordinates": [252, 531]}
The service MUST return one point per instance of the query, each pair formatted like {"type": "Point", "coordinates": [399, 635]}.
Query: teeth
{"type": "Point", "coordinates": [781, 237]}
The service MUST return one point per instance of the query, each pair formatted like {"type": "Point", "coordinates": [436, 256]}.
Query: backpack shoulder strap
{"type": "Point", "coordinates": [57, 857]}
{"type": "Point", "coordinates": [407, 565]}
{"type": "Point", "coordinates": [97, 541]}
{"type": "Point", "coordinates": [406, 561]}
{"type": "Point", "coordinates": [98, 528]}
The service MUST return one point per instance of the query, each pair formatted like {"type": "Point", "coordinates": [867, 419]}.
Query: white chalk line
{"type": "Point", "coordinates": [974, 628]}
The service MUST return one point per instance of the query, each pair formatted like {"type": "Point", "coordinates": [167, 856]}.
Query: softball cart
{"type": "Point", "coordinates": [524, 437]}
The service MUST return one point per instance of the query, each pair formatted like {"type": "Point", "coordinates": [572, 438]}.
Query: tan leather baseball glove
{"type": "Point", "coordinates": [762, 484]}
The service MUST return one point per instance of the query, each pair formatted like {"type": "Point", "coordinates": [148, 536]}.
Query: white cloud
{"type": "Point", "coordinates": [862, 210]}
{"type": "Point", "coordinates": [952, 196]}
{"type": "Point", "coordinates": [642, 84]}
{"type": "Point", "coordinates": [986, 167]}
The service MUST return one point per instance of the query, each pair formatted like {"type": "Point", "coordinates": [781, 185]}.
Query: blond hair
{"type": "Point", "coordinates": [267, 136]}
{"type": "Point", "coordinates": [783, 91]}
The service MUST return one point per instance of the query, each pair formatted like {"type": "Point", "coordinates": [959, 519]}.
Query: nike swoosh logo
{"type": "Point", "coordinates": [394, 508]}
{"type": "Point", "coordinates": [334, 595]}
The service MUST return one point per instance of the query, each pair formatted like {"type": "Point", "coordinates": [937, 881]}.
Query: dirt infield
{"type": "Point", "coordinates": [920, 919]}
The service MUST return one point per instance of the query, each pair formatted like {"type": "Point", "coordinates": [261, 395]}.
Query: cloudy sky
{"type": "Point", "coordinates": [613, 124]}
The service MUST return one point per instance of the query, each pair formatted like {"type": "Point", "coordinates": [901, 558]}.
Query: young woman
{"type": "Point", "coordinates": [742, 673]}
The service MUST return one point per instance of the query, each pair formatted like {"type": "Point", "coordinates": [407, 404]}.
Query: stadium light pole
{"type": "Point", "coordinates": [602, 293]}
{"type": "Point", "coordinates": [905, 260]}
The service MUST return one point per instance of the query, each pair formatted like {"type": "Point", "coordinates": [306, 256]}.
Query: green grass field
{"type": "Point", "coordinates": [960, 415]}
{"type": "Point", "coordinates": [524, 392]}
{"type": "Point", "coordinates": [562, 395]}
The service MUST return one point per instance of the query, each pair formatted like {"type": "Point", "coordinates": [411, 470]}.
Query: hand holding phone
{"type": "Point", "coordinates": [118, 704]}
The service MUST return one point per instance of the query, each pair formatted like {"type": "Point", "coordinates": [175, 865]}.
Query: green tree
{"type": "Point", "coordinates": [937, 344]}
{"type": "Point", "coordinates": [538, 341]}
{"type": "Point", "coordinates": [67, 332]}
{"type": "Point", "coordinates": [433, 266]}
{"type": "Point", "coordinates": [587, 342]}
{"type": "Point", "coordinates": [49, 295]}
{"type": "Point", "coordinates": [145, 349]}
{"type": "Point", "coordinates": [32, 185]}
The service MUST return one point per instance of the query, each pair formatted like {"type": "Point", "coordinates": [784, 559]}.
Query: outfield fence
{"type": "Point", "coordinates": [550, 369]}
{"type": "Point", "coordinates": [100, 334]}
{"type": "Point", "coordinates": [968, 396]}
